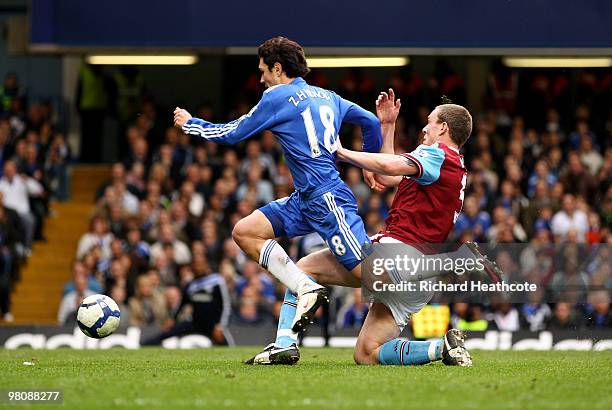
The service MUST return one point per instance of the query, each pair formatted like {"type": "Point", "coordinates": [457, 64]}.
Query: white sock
{"type": "Point", "coordinates": [274, 258]}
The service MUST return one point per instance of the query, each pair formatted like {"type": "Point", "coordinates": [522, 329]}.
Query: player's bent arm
{"type": "Point", "coordinates": [261, 117]}
{"type": "Point", "coordinates": [388, 147]}
{"type": "Point", "coordinates": [385, 164]}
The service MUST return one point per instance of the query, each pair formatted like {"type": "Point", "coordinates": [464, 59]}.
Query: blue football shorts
{"type": "Point", "coordinates": [331, 211]}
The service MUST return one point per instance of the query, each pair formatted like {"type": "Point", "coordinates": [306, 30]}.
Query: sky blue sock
{"type": "Point", "coordinates": [407, 352]}
{"type": "Point", "coordinates": [284, 335]}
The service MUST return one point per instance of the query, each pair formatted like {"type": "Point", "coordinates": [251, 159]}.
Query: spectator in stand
{"type": "Point", "coordinates": [539, 201]}
{"type": "Point", "coordinates": [98, 235]}
{"type": "Point", "coordinates": [16, 190]}
{"type": "Point", "coordinates": [13, 229]}
{"type": "Point", "coordinates": [506, 317]}
{"type": "Point", "coordinates": [472, 219]}
{"type": "Point", "coordinates": [254, 278]}
{"type": "Point", "coordinates": [589, 157]}
{"type": "Point", "coordinates": [138, 249]}
{"type": "Point", "coordinates": [147, 307]}
{"type": "Point", "coordinates": [165, 265]}
{"type": "Point", "coordinates": [503, 222]}
{"type": "Point", "coordinates": [511, 198]}
{"type": "Point", "coordinates": [172, 296]}
{"type": "Point", "coordinates": [541, 174]}
{"type": "Point", "coordinates": [56, 166]}
{"type": "Point", "coordinates": [79, 270]}
{"type": "Point", "coordinates": [594, 235]}
{"type": "Point", "coordinates": [569, 218]}
{"type": "Point", "coordinates": [118, 194]}
{"type": "Point", "coordinates": [255, 156]}
{"type": "Point", "coordinates": [117, 175]}
{"type": "Point", "coordinates": [564, 318]}
{"type": "Point", "coordinates": [115, 217]}
{"type": "Point", "coordinates": [354, 311]}
{"type": "Point", "coordinates": [119, 295]}
{"type": "Point", "coordinates": [598, 313]}
{"type": "Point", "coordinates": [180, 251]}
{"type": "Point", "coordinates": [139, 153]}
{"type": "Point", "coordinates": [468, 317]}
{"type": "Point", "coordinates": [575, 137]}
{"type": "Point", "coordinates": [71, 301]}
{"type": "Point", "coordinates": [249, 311]}
{"type": "Point", "coordinates": [535, 314]}
{"type": "Point", "coordinates": [570, 283]}
{"type": "Point", "coordinates": [262, 189]}
{"type": "Point", "coordinates": [359, 188]}
{"type": "Point", "coordinates": [135, 180]}
{"type": "Point", "coordinates": [211, 242]}
{"type": "Point", "coordinates": [181, 222]}
{"type": "Point", "coordinates": [9, 238]}
{"type": "Point", "coordinates": [269, 146]}
{"type": "Point", "coordinates": [576, 179]}
{"type": "Point", "coordinates": [192, 199]}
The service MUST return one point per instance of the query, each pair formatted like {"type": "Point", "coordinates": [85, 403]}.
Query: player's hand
{"type": "Point", "coordinates": [181, 116]}
{"type": "Point", "coordinates": [370, 179]}
{"type": "Point", "coordinates": [380, 182]}
{"type": "Point", "coordinates": [387, 107]}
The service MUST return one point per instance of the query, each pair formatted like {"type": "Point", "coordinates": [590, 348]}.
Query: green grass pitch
{"type": "Point", "coordinates": [324, 378]}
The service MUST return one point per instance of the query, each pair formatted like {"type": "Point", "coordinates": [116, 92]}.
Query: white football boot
{"type": "Point", "coordinates": [276, 355]}
{"type": "Point", "coordinates": [307, 305]}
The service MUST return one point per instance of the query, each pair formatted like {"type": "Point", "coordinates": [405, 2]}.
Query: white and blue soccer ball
{"type": "Point", "coordinates": [98, 316]}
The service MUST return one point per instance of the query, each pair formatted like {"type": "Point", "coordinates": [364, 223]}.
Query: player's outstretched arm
{"type": "Point", "coordinates": [381, 163]}
{"type": "Point", "coordinates": [260, 117]}
{"type": "Point", "coordinates": [387, 111]}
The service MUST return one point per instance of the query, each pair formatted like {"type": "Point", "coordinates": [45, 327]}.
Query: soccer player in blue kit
{"type": "Point", "coordinates": [306, 121]}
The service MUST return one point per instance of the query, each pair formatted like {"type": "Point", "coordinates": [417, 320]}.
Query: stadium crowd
{"type": "Point", "coordinates": [34, 160]}
{"type": "Point", "coordinates": [539, 161]}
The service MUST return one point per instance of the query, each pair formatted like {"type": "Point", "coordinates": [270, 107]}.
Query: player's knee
{"type": "Point", "coordinates": [241, 232]}
{"type": "Point", "coordinates": [303, 265]}
{"type": "Point", "coordinates": [366, 353]}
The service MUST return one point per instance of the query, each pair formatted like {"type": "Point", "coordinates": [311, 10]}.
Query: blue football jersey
{"type": "Point", "coordinates": [306, 121]}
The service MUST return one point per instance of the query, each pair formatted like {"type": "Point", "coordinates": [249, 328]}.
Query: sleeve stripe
{"type": "Point", "coordinates": [417, 162]}
{"type": "Point", "coordinates": [215, 130]}
{"type": "Point", "coordinates": [210, 132]}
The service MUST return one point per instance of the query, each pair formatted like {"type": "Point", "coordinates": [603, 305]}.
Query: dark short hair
{"type": "Point", "coordinates": [459, 121]}
{"type": "Point", "coordinates": [289, 54]}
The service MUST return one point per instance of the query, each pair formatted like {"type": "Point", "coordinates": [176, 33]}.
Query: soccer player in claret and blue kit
{"type": "Point", "coordinates": [431, 181]}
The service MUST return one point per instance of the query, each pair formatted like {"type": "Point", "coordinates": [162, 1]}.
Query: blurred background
{"type": "Point", "coordinates": [99, 194]}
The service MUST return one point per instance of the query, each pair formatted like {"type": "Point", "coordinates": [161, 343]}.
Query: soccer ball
{"type": "Point", "coordinates": [98, 316]}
